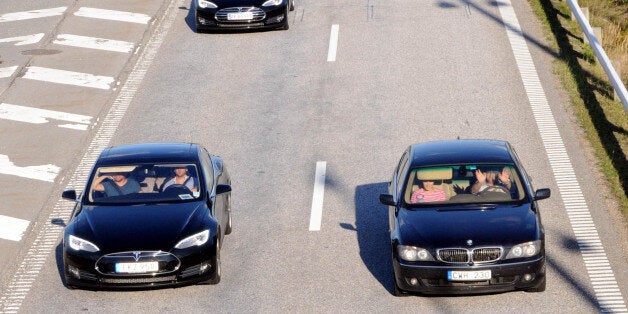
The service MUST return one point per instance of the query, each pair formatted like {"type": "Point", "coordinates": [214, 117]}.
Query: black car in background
{"type": "Point", "coordinates": [464, 218]}
{"type": "Point", "coordinates": [150, 215]}
{"type": "Point", "coordinates": [241, 14]}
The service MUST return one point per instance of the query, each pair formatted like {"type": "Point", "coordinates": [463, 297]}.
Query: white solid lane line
{"type": "Point", "coordinates": [7, 72]}
{"type": "Point", "coordinates": [93, 43]}
{"type": "Point", "coordinates": [12, 228]}
{"type": "Point", "coordinates": [43, 173]}
{"type": "Point", "coordinates": [24, 40]}
{"type": "Point", "coordinates": [39, 116]}
{"type": "Point", "coordinates": [333, 43]}
{"type": "Point", "coordinates": [317, 196]}
{"type": "Point", "coordinates": [120, 16]}
{"type": "Point", "coordinates": [582, 224]}
{"type": "Point", "coordinates": [27, 15]}
{"type": "Point", "coordinates": [68, 77]}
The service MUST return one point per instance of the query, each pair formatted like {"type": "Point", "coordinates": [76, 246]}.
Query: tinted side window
{"type": "Point", "coordinates": [402, 168]}
{"type": "Point", "coordinates": [207, 169]}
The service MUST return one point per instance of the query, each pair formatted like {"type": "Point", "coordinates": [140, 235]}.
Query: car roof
{"type": "Point", "coordinates": [460, 151]}
{"type": "Point", "coordinates": [148, 153]}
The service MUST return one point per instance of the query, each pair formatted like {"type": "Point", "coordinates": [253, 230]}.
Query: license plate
{"type": "Point", "coordinates": [239, 16]}
{"type": "Point", "coordinates": [478, 275]}
{"type": "Point", "coordinates": [141, 267]}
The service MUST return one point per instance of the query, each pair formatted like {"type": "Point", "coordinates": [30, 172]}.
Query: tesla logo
{"type": "Point", "coordinates": [239, 9]}
{"type": "Point", "coordinates": [469, 242]}
{"type": "Point", "coordinates": [136, 256]}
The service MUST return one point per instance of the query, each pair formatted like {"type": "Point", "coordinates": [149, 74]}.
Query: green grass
{"type": "Point", "coordinates": [604, 120]}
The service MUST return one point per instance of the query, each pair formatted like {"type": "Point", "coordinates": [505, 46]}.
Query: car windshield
{"type": "Point", "coordinates": [144, 183]}
{"type": "Point", "coordinates": [463, 184]}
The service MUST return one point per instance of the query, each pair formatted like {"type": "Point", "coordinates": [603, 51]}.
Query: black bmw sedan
{"type": "Point", "coordinates": [242, 14]}
{"type": "Point", "coordinates": [151, 215]}
{"type": "Point", "coordinates": [464, 218]}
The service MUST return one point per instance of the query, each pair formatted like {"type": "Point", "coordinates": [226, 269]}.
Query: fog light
{"type": "Point", "coordinates": [74, 272]}
{"type": "Point", "coordinates": [202, 20]}
{"type": "Point", "coordinates": [204, 267]}
{"type": "Point", "coordinates": [412, 281]}
{"type": "Point", "coordinates": [528, 277]}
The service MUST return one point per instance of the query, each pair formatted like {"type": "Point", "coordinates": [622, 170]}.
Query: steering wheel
{"type": "Point", "coordinates": [178, 189]}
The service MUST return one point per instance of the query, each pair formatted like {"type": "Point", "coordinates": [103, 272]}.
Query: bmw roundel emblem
{"type": "Point", "coordinates": [469, 242]}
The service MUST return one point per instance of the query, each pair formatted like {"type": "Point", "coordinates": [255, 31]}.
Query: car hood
{"type": "Point", "coordinates": [139, 227]}
{"type": "Point", "coordinates": [453, 227]}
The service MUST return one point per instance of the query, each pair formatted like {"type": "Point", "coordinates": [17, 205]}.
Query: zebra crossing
{"type": "Point", "coordinates": [28, 115]}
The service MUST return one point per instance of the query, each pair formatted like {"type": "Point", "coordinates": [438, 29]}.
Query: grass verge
{"type": "Point", "coordinates": [604, 120]}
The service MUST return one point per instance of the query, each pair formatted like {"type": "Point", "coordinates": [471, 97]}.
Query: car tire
{"type": "Point", "coordinates": [539, 288]}
{"type": "Point", "coordinates": [228, 227]}
{"type": "Point", "coordinates": [291, 4]}
{"type": "Point", "coordinates": [215, 279]}
{"type": "Point", "coordinates": [286, 25]}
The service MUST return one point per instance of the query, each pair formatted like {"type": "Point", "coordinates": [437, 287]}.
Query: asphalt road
{"type": "Point", "coordinates": [272, 105]}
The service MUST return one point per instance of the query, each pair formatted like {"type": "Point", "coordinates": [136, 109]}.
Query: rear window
{"type": "Point", "coordinates": [144, 183]}
{"type": "Point", "coordinates": [463, 184]}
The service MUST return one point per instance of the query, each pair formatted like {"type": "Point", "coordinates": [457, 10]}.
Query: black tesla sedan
{"type": "Point", "coordinates": [463, 219]}
{"type": "Point", "coordinates": [242, 14]}
{"type": "Point", "coordinates": [151, 215]}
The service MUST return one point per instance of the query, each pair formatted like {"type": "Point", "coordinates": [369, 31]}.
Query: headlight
{"type": "Point", "coordinates": [525, 249]}
{"type": "Point", "coordinates": [413, 253]}
{"type": "Point", "coordinates": [79, 244]}
{"type": "Point", "coordinates": [193, 240]}
{"type": "Point", "coordinates": [203, 4]}
{"type": "Point", "coordinates": [271, 3]}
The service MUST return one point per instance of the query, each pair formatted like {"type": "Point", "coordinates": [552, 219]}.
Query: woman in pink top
{"type": "Point", "coordinates": [428, 194]}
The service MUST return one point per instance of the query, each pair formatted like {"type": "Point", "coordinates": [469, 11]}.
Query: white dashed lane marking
{"type": "Point", "coordinates": [317, 196]}
{"type": "Point", "coordinates": [12, 228]}
{"type": "Point", "coordinates": [333, 43]}
{"type": "Point", "coordinates": [113, 15]}
{"type": "Point", "coordinates": [68, 77]}
{"type": "Point", "coordinates": [24, 40]}
{"type": "Point", "coordinates": [34, 14]}
{"type": "Point", "coordinates": [93, 43]}
{"type": "Point", "coordinates": [40, 116]}
{"type": "Point", "coordinates": [607, 291]}
{"type": "Point", "coordinates": [43, 173]}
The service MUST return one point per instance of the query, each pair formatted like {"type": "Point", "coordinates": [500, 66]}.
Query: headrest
{"type": "Point", "coordinates": [432, 174]}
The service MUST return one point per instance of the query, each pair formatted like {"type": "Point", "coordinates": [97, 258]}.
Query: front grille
{"type": "Point", "coordinates": [258, 14]}
{"type": "Point", "coordinates": [167, 262]}
{"type": "Point", "coordinates": [138, 280]}
{"type": "Point", "coordinates": [486, 254]}
{"type": "Point", "coordinates": [478, 255]}
{"type": "Point", "coordinates": [453, 255]}
{"type": "Point", "coordinates": [240, 25]}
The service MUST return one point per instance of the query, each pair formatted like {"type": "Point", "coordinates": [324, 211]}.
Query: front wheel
{"type": "Point", "coordinates": [286, 25]}
{"type": "Point", "coordinates": [215, 279]}
{"type": "Point", "coordinates": [291, 4]}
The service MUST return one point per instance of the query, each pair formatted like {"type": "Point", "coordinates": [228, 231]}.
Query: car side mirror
{"type": "Point", "coordinates": [387, 199]}
{"type": "Point", "coordinates": [223, 188]}
{"type": "Point", "coordinates": [542, 194]}
{"type": "Point", "coordinates": [69, 194]}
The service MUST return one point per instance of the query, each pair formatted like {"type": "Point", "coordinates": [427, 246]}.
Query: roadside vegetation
{"type": "Point", "coordinates": [603, 119]}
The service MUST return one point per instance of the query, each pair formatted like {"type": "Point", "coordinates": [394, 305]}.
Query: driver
{"type": "Point", "coordinates": [117, 183]}
{"type": "Point", "coordinates": [492, 181]}
{"type": "Point", "coordinates": [181, 177]}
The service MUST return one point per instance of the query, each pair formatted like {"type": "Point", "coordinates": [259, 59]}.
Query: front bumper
{"type": "Point", "coordinates": [193, 266]}
{"type": "Point", "coordinates": [274, 17]}
{"type": "Point", "coordinates": [504, 277]}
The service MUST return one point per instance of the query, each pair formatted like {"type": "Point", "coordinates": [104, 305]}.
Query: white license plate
{"type": "Point", "coordinates": [142, 267]}
{"type": "Point", "coordinates": [240, 16]}
{"type": "Point", "coordinates": [478, 275]}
